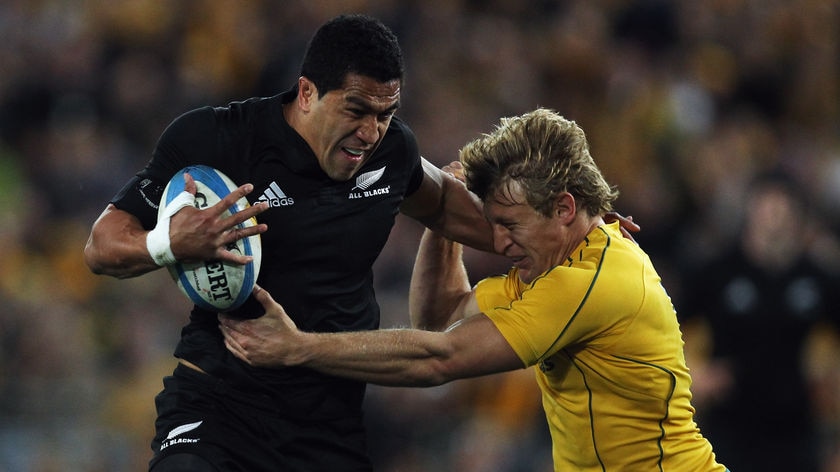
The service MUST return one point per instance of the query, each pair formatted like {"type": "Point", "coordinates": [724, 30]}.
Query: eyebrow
{"type": "Point", "coordinates": [365, 104]}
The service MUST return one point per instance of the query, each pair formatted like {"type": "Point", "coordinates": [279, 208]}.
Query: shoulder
{"type": "Point", "coordinates": [400, 139]}
{"type": "Point", "coordinates": [498, 290]}
{"type": "Point", "coordinates": [398, 125]}
{"type": "Point", "coordinates": [207, 134]}
{"type": "Point", "coordinates": [246, 110]}
{"type": "Point", "coordinates": [233, 113]}
{"type": "Point", "coordinates": [399, 151]}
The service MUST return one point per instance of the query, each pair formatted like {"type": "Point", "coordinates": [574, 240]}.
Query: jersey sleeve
{"type": "Point", "coordinates": [541, 318]}
{"type": "Point", "coordinates": [412, 155]}
{"type": "Point", "coordinates": [184, 142]}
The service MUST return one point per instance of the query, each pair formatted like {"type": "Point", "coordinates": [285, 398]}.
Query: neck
{"type": "Point", "coordinates": [588, 223]}
{"type": "Point", "coordinates": [579, 229]}
{"type": "Point", "coordinates": [294, 118]}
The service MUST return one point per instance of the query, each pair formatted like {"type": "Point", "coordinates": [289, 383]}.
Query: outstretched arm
{"type": "Point", "coordinates": [396, 357]}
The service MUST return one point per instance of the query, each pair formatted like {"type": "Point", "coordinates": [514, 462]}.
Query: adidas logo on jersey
{"type": "Point", "coordinates": [275, 197]}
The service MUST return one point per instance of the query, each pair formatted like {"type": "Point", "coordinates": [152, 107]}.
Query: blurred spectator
{"type": "Point", "coordinates": [750, 316]}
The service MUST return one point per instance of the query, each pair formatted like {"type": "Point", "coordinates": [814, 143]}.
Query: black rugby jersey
{"type": "Point", "coordinates": [322, 240]}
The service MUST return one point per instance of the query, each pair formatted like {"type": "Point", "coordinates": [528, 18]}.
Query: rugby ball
{"type": "Point", "coordinates": [214, 285]}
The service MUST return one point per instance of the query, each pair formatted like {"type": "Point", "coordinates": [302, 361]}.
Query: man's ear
{"type": "Point", "coordinates": [565, 207]}
{"type": "Point", "coordinates": [307, 93]}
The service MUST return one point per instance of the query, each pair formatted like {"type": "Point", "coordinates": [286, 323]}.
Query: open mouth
{"type": "Point", "coordinates": [517, 261]}
{"type": "Point", "coordinates": [353, 154]}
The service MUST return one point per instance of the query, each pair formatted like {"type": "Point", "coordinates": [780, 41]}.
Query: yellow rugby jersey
{"type": "Point", "coordinates": [604, 334]}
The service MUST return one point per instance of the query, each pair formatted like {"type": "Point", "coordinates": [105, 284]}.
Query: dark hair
{"type": "Point", "coordinates": [352, 44]}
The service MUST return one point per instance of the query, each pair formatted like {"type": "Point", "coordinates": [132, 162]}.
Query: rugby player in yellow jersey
{"type": "Point", "coordinates": [581, 302]}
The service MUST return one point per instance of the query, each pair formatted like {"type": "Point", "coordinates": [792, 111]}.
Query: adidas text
{"type": "Point", "coordinates": [276, 202]}
{"type": "Point", "coordinates": [275, 197]}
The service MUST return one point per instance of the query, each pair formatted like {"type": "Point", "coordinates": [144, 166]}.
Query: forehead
{"type": "Point", "coordinates": [369, 93]}
{"type": "Point", "coordinates": [506, 202]}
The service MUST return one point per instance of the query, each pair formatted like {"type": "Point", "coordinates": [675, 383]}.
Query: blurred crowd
{"type": "Point", "coordinates": [684, 103]}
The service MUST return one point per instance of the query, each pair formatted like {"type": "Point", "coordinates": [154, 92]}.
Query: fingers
{"type": "Point", "coordinates": [209, 234]}
{"type": "Point", "coordinates": [245, 214]}
{"type": "Point", "coordinates": [232, 198]}
{"type": "Point", "coordinates": [631, 225]}
{"type": "Point", "coordinates": [233, 329]}
{"type": "Point", "coordinates": [189, 183]}
{"type": "Point", "coordinates": [454, 166]}
{"type": "Point", "coordinates": [455, 169]}
{"type": "Point", "coordinates": [242, 215]}
{"type": "Point", "coordinates": [233, 345]}
{"type": "Point", "coordinates": [274, 312]}
{"type": "Point", "coordinates": [231, 224]}
{"type": "Point", "coordinates": [262, 296]}
{"type": "Point", "coordinates": [626, 222]}
{"type": "Point", "coordinates": [238, 334]}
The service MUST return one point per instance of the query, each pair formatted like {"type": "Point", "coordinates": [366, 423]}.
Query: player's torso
{"type": "Point", "coordinates": [323, 236]}
{"type": "Point", "coordinates": [620, 392]}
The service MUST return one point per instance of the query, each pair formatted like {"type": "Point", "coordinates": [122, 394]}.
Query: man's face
{"type": "Point", "coordinates": [533, 242]}
{"type": "Point", "coordinates": [345, 126]}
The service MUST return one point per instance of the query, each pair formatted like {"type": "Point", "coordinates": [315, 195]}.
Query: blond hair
{"type": "Point", "coordinates": [545, 154]}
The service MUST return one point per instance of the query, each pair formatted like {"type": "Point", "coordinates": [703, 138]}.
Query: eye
{"type": "Point", "coordinates": [508, 225]}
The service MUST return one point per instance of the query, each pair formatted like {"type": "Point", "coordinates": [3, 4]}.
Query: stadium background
{"type": "Point", "coordinates": [683, 103]}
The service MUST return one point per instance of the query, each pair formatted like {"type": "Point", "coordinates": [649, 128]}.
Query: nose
{"type": "Point", "coordinates": [368, 130]}
{"type": "Point", "coordinates": [501, 239]}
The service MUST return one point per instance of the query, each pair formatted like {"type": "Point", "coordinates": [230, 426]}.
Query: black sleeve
{"type": "Point", "coordinates": [141, 197]}
{"type": "Point", "coordinates": [189, 139]}
{"type": "Point", "coordinates": [413, 154]}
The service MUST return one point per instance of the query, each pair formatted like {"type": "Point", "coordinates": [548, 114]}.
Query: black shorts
{"type": "Point", "coordinates": [243, 431]}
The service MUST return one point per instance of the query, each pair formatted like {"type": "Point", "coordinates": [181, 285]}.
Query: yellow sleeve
{"type": "Point", "coordinates": [539, 319]}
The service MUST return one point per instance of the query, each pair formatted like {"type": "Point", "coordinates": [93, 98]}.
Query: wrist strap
{"type": "Point", "coordinates": [157, 240]}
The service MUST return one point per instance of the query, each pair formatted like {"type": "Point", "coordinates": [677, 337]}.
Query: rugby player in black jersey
{"type": "Point", "coordinates": [326, 166]}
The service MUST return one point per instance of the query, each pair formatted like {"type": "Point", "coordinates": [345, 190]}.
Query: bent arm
{"type": "Point", "coordinates": [117, 245]}
{"type": "Point", "coordinates": [439, 293]}
{"type": "Point", "coordinates": [444, 205]}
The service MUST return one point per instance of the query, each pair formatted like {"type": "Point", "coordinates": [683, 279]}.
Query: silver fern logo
{"type": "Point", "coordinates": [364, 183]}
{"type": "Point", "coordinates": [183, 429]}
{"type": "Point", "coordinates": [174, 436]}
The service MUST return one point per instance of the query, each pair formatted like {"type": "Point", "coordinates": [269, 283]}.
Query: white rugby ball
{"type": "Point", "coordinates": [215, 285]}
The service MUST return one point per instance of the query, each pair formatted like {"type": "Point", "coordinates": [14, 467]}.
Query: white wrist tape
{"type": "Point", "coordinates": [157, 240]}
